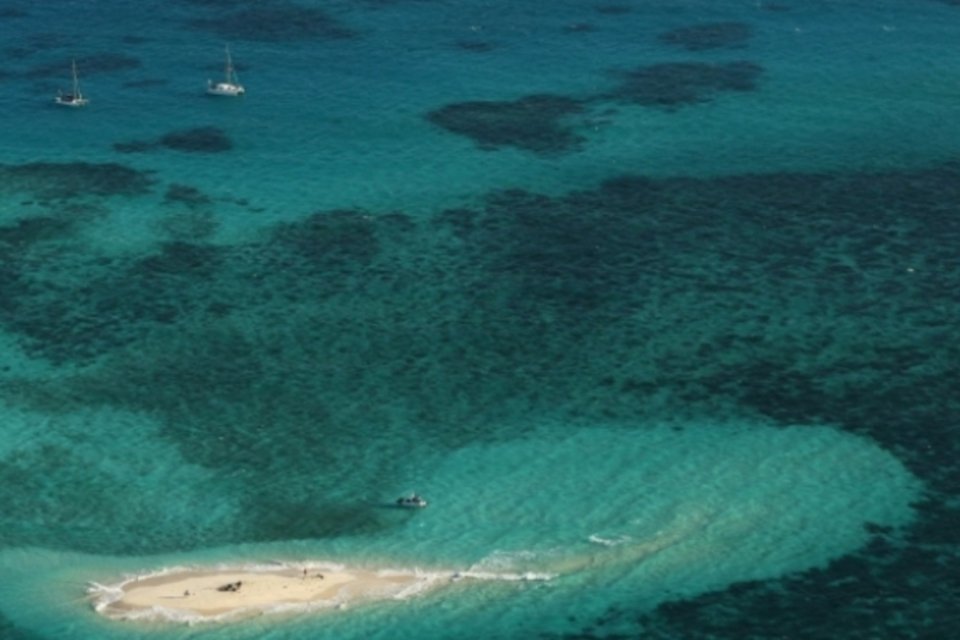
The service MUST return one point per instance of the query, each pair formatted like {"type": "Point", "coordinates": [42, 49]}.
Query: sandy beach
{"type": "Point", "coordinates": [208, 595]}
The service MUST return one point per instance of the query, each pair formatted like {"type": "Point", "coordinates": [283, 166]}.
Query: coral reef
{"type": "Point", "coordinates": [547, 124]}
{"type": "Point", "coordinates": [799, 298]}
{"type": "Point", "coordinates": [273, 22]}
{"type": "Point", "coordinates": [65, 180]}
{"type": "Point", "coordinates": [196, 140]}
{"type": "Point", "coordinates": [714, 35]}
{"type": "Point", "coordinates": [534, 123]}
{"type": "Point", "coordinates": [674, 84]}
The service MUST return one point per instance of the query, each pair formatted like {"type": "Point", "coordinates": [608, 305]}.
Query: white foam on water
{"type": "Point", "coordinates": [610, 541]}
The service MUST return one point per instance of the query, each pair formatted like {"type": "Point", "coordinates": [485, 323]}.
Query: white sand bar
{"type": "Point", "coordinates": [203, 594]}
{"type": "Point", "coordinates": [206, 595]}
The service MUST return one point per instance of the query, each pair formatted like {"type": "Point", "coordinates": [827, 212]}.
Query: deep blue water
{"type": "Point", "coordinates": [657, 299]}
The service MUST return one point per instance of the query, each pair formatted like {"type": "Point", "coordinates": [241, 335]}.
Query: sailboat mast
{"type": "Point", "coordinates": [76, 82]}
{"type": "Point", "coordinates": [229, 69]}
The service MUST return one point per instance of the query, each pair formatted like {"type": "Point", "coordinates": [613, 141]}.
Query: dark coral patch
{"type": "Point", "coordinates": [198, 140]}
{"type": "Point", "coordinates": [189, 225]}
{"type": "Point", "coordinates": [476, 46]}
{"type": "Point", "coordinates": [118, 302]}
{"type": "Point", "coordinates": [192, 218]}
{"type": "Point", "coordinates": [330, 238]}
{"type": "Point", "coordinates": [26, 232]}
{"type": "Point", "coordinates": [715, 35]}
{"type": "Point", "coordinates": [885, 590]}
{"type": "Point", "coordinates": [545, 124]}
{"type": "Point", "coordinates": [108, 63]}
{"type": "Point", "coordinates": [51, 502]}
{"type": "Point", "coordinates": [180, 258]}
{"type": "Point", "coordinates": [533, 123]}
{"type": "Point", "coordinates": [575, 254]}
{"type": "Point", "coordinates": [613, 9]}
{"type": "Point", "coordinates": [675, 84]}
{"type": "Point", "coordinates": [186, 195]}
{"type": "Point", "coordinates": [99, 63]}
{"type": "Point", "coordinates": [34, 44]}
{"type": "Point", "coordinates": [274, 22]}
{"type": "Point", "coordinates": [779, 7]}
{"type": "Point", "coordinates": [60, 180]}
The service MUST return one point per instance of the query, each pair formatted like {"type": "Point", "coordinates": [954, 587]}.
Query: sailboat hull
{"type": "Point", "coordinates": [225, 89]}
{"type": "Point", "coordinates": [74, 98]}
{"type": "Point", "coordinates": [71, 101]}
{"type": "Point", "coordinates": [230, 86]}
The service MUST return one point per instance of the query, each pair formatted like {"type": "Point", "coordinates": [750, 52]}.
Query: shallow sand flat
{"type": "Point", "coordinates": [200, 594]}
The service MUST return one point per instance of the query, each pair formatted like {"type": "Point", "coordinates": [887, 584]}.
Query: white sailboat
{"type": "Point", "coordinates": [231, 83]}
{"type": "Point", "coordinates": [74, 98]}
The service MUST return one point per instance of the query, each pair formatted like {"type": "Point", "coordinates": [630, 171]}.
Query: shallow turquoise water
{"type": "Point", "coordinates": [654, 299]}
{"type": "Point", "coordinates": [644, 513]}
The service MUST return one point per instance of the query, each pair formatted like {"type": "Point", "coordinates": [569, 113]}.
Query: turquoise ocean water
{"type": "Point", "coordinates": [654, 301]}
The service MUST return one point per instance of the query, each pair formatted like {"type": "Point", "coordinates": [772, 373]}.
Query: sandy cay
{"type": "Point", "coordinates": [218, 594]}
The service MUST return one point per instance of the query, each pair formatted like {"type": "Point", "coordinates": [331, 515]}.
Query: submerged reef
{"type": "Point", "coordinates": [88, 65]}
{"type": "Point", "coordinates": [107, 63]}
{"type": "Point", "coordinates": [64, 180]}
{"type": "Point", "coordinates": [547, 124]}
{"type": "Point", "coordinates": [558, 258]}
{"type": "Point", "coordinates": [32, 44]}
{"type": "Point", "coordinates": [330, 237]}
{"type": "Point", "coordinates": [195, 224]}
{"type": "Point", "coordinates": [475, 46]}
{"type": "Point", "coordinates": [26, 232]}
{"type": "Point", "coordinates": [613, 9]}
{"type": "Point", "coordinates": [674, 84]}
{"type": "Point", "coordinates": [197, 140]}
{"type": "Point", "coordinates": [796, 298]}
{"type": "Point", "coordinates": [714, 35]}
{"type": "Point", "coordinates": [279, 21]}
{"type": "Point", "coordinates": [533, 123]}
{"type": "Point", "coordinates": [186, 195]}
{"type": "Point", "coordinates": [774, 7]}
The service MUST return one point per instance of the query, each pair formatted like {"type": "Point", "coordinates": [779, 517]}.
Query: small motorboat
{"type": "Point", "coordinates": [413, 501]}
